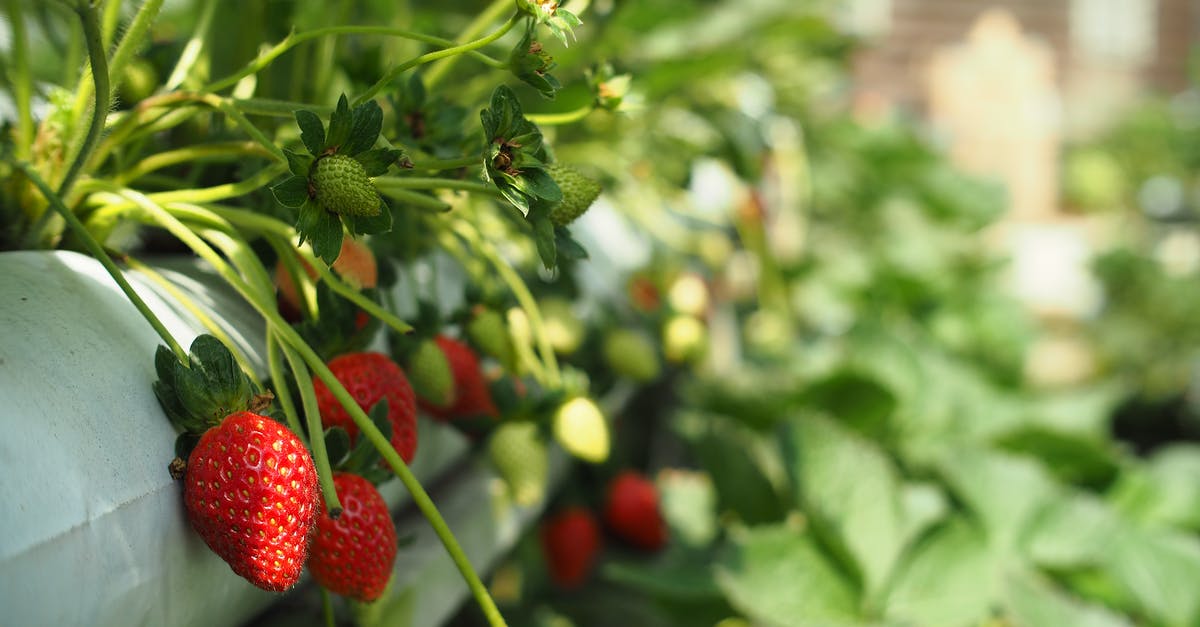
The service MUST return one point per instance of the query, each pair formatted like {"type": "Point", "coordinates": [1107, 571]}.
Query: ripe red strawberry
{"type": "Point", "coordinates": [370, 377]}
{"type": "Point", "coordinates": [631, 511]}
{"type": "Point", "coordinates": [353, 555]}
{"type": "Point", "coordinates": [472, 397]}
{"type": "Point", "coordinates": [251, 493]}
{"type": "Point", "coordinates": [570, 544]}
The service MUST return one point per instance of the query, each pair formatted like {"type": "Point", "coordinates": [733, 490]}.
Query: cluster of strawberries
{"type": "Point", "coordinates": [250, 484]}
{"type": "Point", "coordinates": [571, 538]}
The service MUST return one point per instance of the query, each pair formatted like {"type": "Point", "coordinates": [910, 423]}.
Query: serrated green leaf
{"type": "Point", "coordinates": [952, 578]}
{"type": "Point", "coordinates": [299, 163]}
{"type": "Point", "coordinates": [312, 132]}
{"type": "Point", "coordinates": [367, 121]}
{"type": "Point", "coordinates": [292, 192]}
{"type": "Point", "coordinates": [568, 248]}
{"type": "Point", "coordinates": [539, 183]}
{"type": "Point", "coordinates": [322, 229]}
{"type": "Point", "coordinates": [778, 576]}
{"type": "Point", "coordinates": [726, 451]}
{"type": "Point", "coordinates": [340, 124]}
{"type": "Point", "coordinates": [850, 490]}
{"type": "Point", "coordinates": [1158, 569]}
{"type": "Point", "coordinates": [377, 161]}
{"type": "Point", "coordinates": [1032, 601]}
{"type": "Point", "coordinates": [1005, 491]}
{"type": "Point", "coordinates": [370, 225]}
{"type": "Point", "coordinates": [1072, 532]}
{"type": "Point", "coordinates": [513, 195]}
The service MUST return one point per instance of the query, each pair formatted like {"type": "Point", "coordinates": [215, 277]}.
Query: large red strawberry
{"type": "Point", "coordinates": [370, 377]}
{"type": "Point", "coordinates": [631, 511]}
{"type": "Point", "coordinates": [251, 493]}
{"type": "Point", "coordinates": [353, 555]}
{"type": "Point", "coordinates": [472, 398]}
{"type": "Point", "coordinates": [570, 544]}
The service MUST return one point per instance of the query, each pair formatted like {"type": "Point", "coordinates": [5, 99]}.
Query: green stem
{"type": "Point", "coordinates": [327, 608]}
{"type": "Point", "coordinates": [112, 17]}
{"type": "Point", "coordinates": [296, 274]}
{"type": "Point", "coordinates": [190, 305]}
{"type": "Point", "coordinates": [416, 199]}
{"type": "Point", "coordinates": [202, 194]}
{"type": "Point", "coordinates": [434, 56]}
{"type": "Point", "coordinates": [416, 182]}
{"type": "Point", "coordinates": [191, 52]}
{"type": "Point", "coordinates": [226, 106]}
{"type": "Point", "coordinates": [282, 393]}
{"type": "Point", "coordinates": [276, 108]}
{"type": "Point", "coordinates": [99, 63]}
{"type": "Point", "coordinates": [308, 398]}
{"type": "Point", "coordinates": [294, 39]}
{"type": "Point", "coordinates": [198, 152]}
{"type": "Point", "coordinates": [22, 81]}
{"type": "Point", "coordinates": [524, 297]}
{"type": "Point", "coordinates": [349, 293]}
{"type": "Point", "coordinates": [477, 26]}
{"type": "Point", "coordinates": [135, 35]}
{"type": "Point", "coordinates": [97, 251]}
{"type": "Point", "coordinates": [448, 164]}
{"type": "Point", "coordinates": [565, 117]}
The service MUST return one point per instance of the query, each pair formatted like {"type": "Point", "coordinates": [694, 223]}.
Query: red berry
{"type": "Point", "coordinates": [472, 397]}
{"type": "Point", "coordinates": [251, 493]}
{"type": "Point", "coordinates": [570, 543]}
{"type": "Point", "coordinates": [370, 377]}
{"type": "Point", "coordinates": [631, 511]}
{"type": "Point", "coordinates": [353, 555]}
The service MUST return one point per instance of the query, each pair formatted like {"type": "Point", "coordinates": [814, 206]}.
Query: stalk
{"type": "Point", "coordinates": [99, 63]}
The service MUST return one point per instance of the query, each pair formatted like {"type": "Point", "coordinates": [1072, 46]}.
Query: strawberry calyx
{"type": "Point", "coordinates": [198, 395]}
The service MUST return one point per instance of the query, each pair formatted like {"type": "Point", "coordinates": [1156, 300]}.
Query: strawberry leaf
{"type": "Point", "coordinates": [293, 192]}
{"type": "Point", "coordinates": [299, 163]}
{"type": "Point", "coordinates": [377, 161]}
{"type": "Point", "coordinates": [370, 225]}
{"type": "Point", "coordinates": [536, 182]}
{"type": "Point", "coordinates": [312, 131]}
{"type": "Point", "coordinates": [337, 445]}
{"type": "Point", "coordinates": [543, 235]}
{"type": "Point", "coordinates": [367, 121]}
{"type": "Point", "coordinates": [340, 124]}
{"type": "Point", "coordinates": [323, 229]}
{"type": "Point", "coordinates": [568, 247]}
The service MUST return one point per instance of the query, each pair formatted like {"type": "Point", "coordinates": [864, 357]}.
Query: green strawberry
{"type": "Point", "coordinates": [578, 191]}
{"type": "Point", "coordinates": [521, 459]}
{"type": "Point", "coordinates": [631, 355]}
{"type": "Point", "coordinates": [343, 187]}
{"type": "Point", "coordinates": [430, 374]}
{"type": "Point", "coordinates": [488, 331]}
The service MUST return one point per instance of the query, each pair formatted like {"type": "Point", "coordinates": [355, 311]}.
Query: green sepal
{"type": "Point", "coordinates": [370, 225]}
{"type": "Point", "coordinates": [341, 121]}
{"type": "Point", "coordinates": [312, 132]}
{"type": "Point", "coordinates": [364, 456]}
{"type": "Point", "coordinates": [323, 229]}
{"type": "Point", "coordinates": [515, 197]}
{"type": "Point", "coordinates": [543, 234]}
{"type": "Point", "coordinates": [200, 394]}
{"type": "Point", "coordinates": [538, 183]}
{"type": "Point", "coordinates": [185, 443]}
{"type": "Point", "coordinates": [377, 161]}
{"type": "Point", "coordinates": [337, 445]}
{"type": "Point", "coordinates": [366, 122]}
{"type": "Point", "coordinates": [299, 163]}
{"type": "Point", "coordinates": [568, 247]}
{"type": "Point", "coordinates": [292, 192]}
{"type": "Point", "coordinates": [530, 63]}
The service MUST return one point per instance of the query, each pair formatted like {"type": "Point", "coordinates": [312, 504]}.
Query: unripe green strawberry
{"type": "Point", "coordinates": [632, 355]}
{"type": "Point", "coordinates": [488, 331]}
{"type": "Point", "coordinates": [342, 186]}
{"type": "Point", "coordinates": [430, 374]}
{"type": "Point", "coordinates": [578, 192]}
{"type": "Point", "coordinates": [521, 459]}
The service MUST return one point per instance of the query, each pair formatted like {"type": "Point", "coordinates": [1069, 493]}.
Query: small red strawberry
{"type": "Point", "coordinates": [472, 397]}
{"type": "Point", "coordinates": [251, 493]}
{"type": "Point", "coordinates": [370, 377]}
{"type": "Point", "coordinates": [353, 555]}
{"type": "Point", "coordinates": [631, 511]}
{"type": "Point", "coordinates": [570, 544]}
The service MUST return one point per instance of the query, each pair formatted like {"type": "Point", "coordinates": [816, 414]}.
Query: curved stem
{"type": "Point", "coordinates": [565, 117]}
{"type": "Point", "coordinates": [22, 81]}
{"type": "Point", "coordinates": [203, 194]}
{"type": "Point", "coordinates": [316, 435]}
{"type": "Point", "coordinates": [295, 39]}
{"type": "Point", "coordinates": [477, 26]}
{"type": "Point", "coordinates": [416, 199]}
{"type": "Point", "coordinates": [282, 393]}
{"type": "Point", "coordinates": [434, 56]}
{"type": "Point", "coordinates": [101, 255]}
{"type": "Point", "coordinates": [191, 52]}
{"type": "Point", "coordinates": [416, 182]}
{"type": "Point", "coordinates": [198, 152]}
{"type": "Point", "coordinates": [99, 63]}
{"type": "Point", "coordinates": [349, 293]}
{"type": "Point", "coordinates": [448, 164]}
